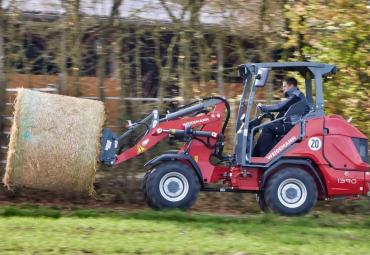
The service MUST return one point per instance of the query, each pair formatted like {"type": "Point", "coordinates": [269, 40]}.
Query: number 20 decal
{"type": "Point", "coordinates": [314, 143]}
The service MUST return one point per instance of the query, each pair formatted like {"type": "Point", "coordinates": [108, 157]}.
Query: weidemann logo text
{"type": "Point", "coordinates": [196, 122]}
{"type": "Point", "coordinates": [281, 148]}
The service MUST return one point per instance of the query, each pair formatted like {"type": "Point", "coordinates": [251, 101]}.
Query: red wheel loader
{"type": "Point", "coordinates": [321, 157]}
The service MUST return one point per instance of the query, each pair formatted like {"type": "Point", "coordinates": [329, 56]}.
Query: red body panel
{"type": "Point", "coordinates": [245, 179]}
{"type": "Point", "coordinates": [339, 149]}
{"type": "Point", "coordinates": [343, 183]}
{"type": "Point", "coordinates": [339, 126]}
{"type": "Point", "coordinates": [314, 128]}
{"type": "Point", "coordinates": [340, 165]}
{"type": "Point", "coordinates": [341, 153]}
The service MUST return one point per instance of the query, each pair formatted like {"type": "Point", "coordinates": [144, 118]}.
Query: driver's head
{"type": "Point", "coordinates": [289, 83]}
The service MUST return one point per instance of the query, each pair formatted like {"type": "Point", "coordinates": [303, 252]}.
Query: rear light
{"type": "Point", "coordinates": [362, 148]}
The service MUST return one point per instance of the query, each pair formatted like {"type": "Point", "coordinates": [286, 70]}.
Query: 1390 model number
{"type": "Point", "coordinates": [347, 180]}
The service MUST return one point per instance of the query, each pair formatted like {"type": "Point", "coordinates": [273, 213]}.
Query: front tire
{"type": "Point", "coordinates": [291, 192]}
{"type": "Point", "coordinates": [171, 185]}
{"type": "Point", "coordinates": [143, 188]}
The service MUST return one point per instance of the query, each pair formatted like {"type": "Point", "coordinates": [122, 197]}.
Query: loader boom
{"type": "Point", "coordinates": [200, 121]}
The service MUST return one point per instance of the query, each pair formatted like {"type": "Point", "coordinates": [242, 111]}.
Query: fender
{"type": "Point", "coordinates": [300, 162]}
{"type": "Point", "coordinates": [182, 156]}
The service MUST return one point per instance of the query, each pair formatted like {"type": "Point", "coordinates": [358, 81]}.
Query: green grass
{"type": "Point", "coordinates": [42, 230]}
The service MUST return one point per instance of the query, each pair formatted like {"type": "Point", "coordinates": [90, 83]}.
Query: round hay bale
{"type": "Point", "coordinates": [54, 142]}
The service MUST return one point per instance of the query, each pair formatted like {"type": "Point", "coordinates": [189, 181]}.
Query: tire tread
{"type": "Point", "coordinates": [273, 183]}
{"type": "Point", "coordinates": [152, 195]}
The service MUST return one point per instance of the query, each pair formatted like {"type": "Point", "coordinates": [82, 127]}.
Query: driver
{"type": "Point", "coordinates": [266, 140]}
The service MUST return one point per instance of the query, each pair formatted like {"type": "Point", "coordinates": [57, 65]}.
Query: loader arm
{"type": "Point", "coordinates": [206, 128]}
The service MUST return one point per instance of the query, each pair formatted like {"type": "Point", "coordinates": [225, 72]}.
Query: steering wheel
{"type": "Point", "coordinates": [262, 115]}
{"type": "Point", "coordinates": [266, 115]}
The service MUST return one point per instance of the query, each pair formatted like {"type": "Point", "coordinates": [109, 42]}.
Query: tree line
{"type": "Point", "coordinates": [184, 55]}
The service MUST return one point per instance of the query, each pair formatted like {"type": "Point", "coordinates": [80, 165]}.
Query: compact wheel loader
{"type": "Point", "coordinates": [321, 157]}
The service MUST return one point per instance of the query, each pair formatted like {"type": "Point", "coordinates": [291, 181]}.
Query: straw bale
{"type": "Point", "coordinates": [54, 142]}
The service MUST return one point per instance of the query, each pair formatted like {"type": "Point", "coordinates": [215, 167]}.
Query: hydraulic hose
{"type": "Point", "coordinates": [227, 110]}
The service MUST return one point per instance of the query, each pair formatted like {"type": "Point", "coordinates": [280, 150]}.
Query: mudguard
{"type": "Point", "coordinates": [299, 162]}
{"type": "Point", "coordinates": [181, 157]}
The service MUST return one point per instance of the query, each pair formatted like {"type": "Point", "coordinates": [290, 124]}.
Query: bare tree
{"type": "Point", "coordinates": [182, 42]}
{"type": "Point", "coordinates": [107, 30]}
{"type": "Point", "coordinates": [2, 71]}
{"type": "Point", "coordinates": [72, 26]}
{"type": "Point", "coordinates": [220, 65]}
{"type": "Point", "coordinates": [62, 63]}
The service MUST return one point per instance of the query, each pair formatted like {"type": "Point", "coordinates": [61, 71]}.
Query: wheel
{"type": "Point", "coordinates": [143, 188]}
{"type": "Point", "coordinates": [291, 192]}
{"type": "Point", "coordinates": [262, 203]}
{"type": "Point", "coordinates": [171, 185]}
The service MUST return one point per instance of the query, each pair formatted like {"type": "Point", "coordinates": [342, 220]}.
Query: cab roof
{"type": "Point", "coordinates": [324, 69]}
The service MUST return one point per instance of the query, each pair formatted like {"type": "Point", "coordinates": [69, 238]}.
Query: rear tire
{"type": "Point", "coordinates": [171, 185]}
{"type": "Point", "coordinates": [291, 192]}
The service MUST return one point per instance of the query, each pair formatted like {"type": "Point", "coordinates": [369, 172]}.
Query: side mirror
{"type": "Point", "coordinates": [261, 77]}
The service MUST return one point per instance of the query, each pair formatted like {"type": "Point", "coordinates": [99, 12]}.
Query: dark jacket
{"type": "Point", "coordinates": [293, 95]}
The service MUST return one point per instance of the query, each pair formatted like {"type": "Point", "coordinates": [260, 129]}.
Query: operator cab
{"type": "Point", "coordinates": [248, 124]}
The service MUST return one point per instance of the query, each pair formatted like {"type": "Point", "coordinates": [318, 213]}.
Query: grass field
{"type": "Point", "coordinates": [41, 230]}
